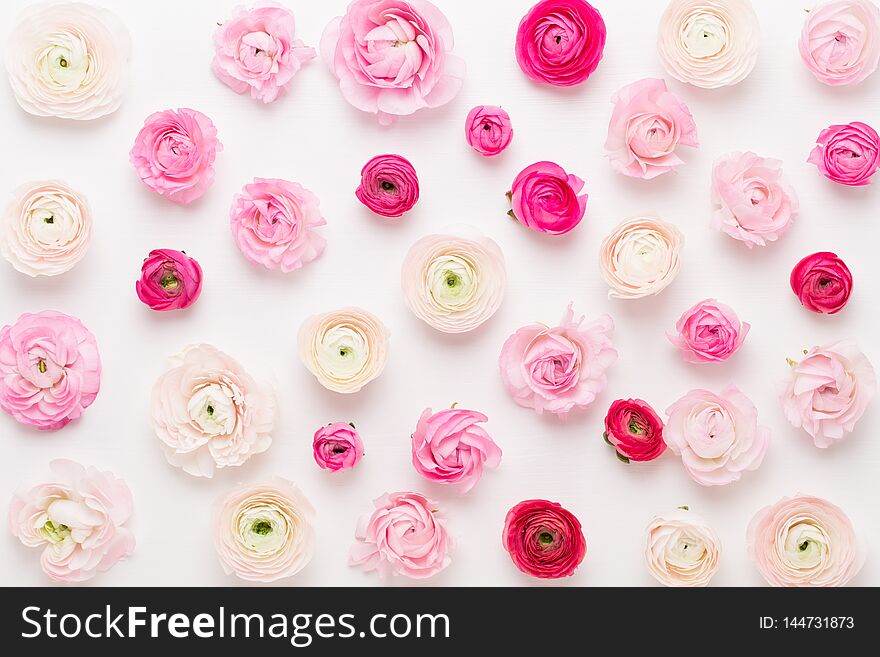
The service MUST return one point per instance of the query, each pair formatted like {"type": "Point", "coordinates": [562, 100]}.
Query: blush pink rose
{"type": "Point", "coordinates": [449, 447]}
{"type": "Point", "coordinates": [717, 435]}
{"type": "Point", "coordinates": [828, 391]}
{"type": "Point", "coordinates": [256, 50]}
{"type": "Point", "coordinates": [545, 198]}
{"type": "Point", "coordinates": [487, 130]}
{"type": "Point", "coordinates": [754, 202]}
{"type": "Point", "coordinates": [273, 224]}
{"type": "Point", "coordinates": [840, 42]}
{"type": "Point", "coordinates": [78, 518]}
{"type": "Point", "coordinates": [635, 430]}
{"type": "Point", "coordinates": [404, 535]}
{"type": "Point", "coordinates": [647, 124]}
{"type": "Point", "coordinates": [50, 370]}
{"type": "Point", "coordinates": [560, 42]}
{"type": "Point", "coordinates": [560, 368]}
{"type": "Point", "coordinates": [174, 154]}
{"type": "Point", "coordinates": [822, 283]}
{"type": "Point", "coordinates": [847, 154]}
{"type": "Point", "coordinates": [389, 185]}
{"type": "Point", "coordinates": [337, 447]}
{"type": "Point", "coordinates": [544, 539]}
{"type": "Point", "coordinates": [170, 280]}
{"type": "Point", "coordinates": [709, 332]}
{"type": "Point", "coordinates": [393, 57]}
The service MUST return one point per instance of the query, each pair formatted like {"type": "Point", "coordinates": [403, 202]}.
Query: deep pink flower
{"type": "Point", "coordinates": [487, 130]}
{"type": "Point", "coordinates": [337, 447]}
{"type": "Point", "coordinates": [822, 283]}
{"type": "Point", "coordinates": [847, 154]}
{"type": "Point", "coordinates": [708, 332]}
{"type": "Point", "coordinates": [389, 185]}
{"type": "Point", "coordinates": [545, 198]}
{"type": "Point", "coordinates": [544, 539]}
{"type": "Point", "coordinates": [170, 280]}
{"type": "Point", "coordinates": [635, 430]}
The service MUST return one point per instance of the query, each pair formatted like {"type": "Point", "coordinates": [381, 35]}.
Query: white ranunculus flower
{"type": "Point", "coordinates": [46, 228]}
{"type": "Point", "coordinates": [68, 60]}
{"type": "Point", "coordinates": [345, 349]}
{"type": "Point", "coordinates": [681, 549]}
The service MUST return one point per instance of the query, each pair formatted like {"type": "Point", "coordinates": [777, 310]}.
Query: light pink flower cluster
{"type": "Point", "coordinates": [709, 332]}
{"type": "Point", "coordinates": [840, 42]}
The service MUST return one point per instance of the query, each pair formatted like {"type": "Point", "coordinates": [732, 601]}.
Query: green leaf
{"type": "Point", "coordinates": [621, 457]}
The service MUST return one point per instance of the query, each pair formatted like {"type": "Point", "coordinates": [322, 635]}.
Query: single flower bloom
{"type": "Point", "coordinates": [847, 154]}
{"type": "Point", "coordinates": [405, 534]}
{"type": "Point", "coordinates": [557, 369]}
{"type": "Point", "coordinates": [804, 541]}
{"type": "Point", "coordinates": [681, 549]}
{"type": "Point", "coordinates": [50, 370]}
{"type": "Point", "coordinates": [828, 391]}
{"type": "Point", "coordinates": [543, 539]}
{"type": "Point", "coordinates": [393, 57]}
{"type": "Point", "coordinates": [450, 447]}
{"type": "Point", "coordinates": [840, 41]}
{"type": "Point", "coordinates": [488, 130]}
{"type": "Point", "coordinates": [264, 532]}
{"type": "Point", "coordinates": [389, 185]}
{"type": "Point", "coordinates": [209, 413]}
{"type": "Point", "coordinates": [337, 447]}
{"type": "Point", "coordinates": [635, 430]}
{"type": "Point", "coordinates": [170, 280]}
{"type": "Point", "coordinates": [273, 224]}
{"type": "Point", "coordinates": [545, 198]}
{"type": "Point", "coordinates": [717, 435]}
{"type": "Point", "coordinates": [257, 51]}
{"type": "Point", "coordinates": [709, 332]}
{"type": "Point", "coordinates": [46, 228]}
{"type": "Point", "coordinates": [822, 283]}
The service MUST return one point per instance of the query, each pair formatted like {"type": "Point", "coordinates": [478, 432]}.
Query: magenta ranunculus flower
{"type": "Point", "coordinates": [50, 370]}
{"type": "Point", "coordinates": [545, 198]}
{"type": "Point", "coordinates": [840, 42]}
{"type": "Point", "coordinates": [273, 224]}
{"type": "Point", "coordinates": [544, 539]}
{"type": "Point", "coordinates": [635, 430]}
{"type": "Point", "coordinates": [256, 50]}
{"type": "Point", "coordinates": [404, 535]}
{"type": "Point", "coordinates": [174, 154]}
{"type": "Point", "coordinates": [709, 332]}
{"type": "Point", "coordinates": [393, 57]}
{"type": "Point", "coordinates": [389, 185]}
{"type": "Point", "coordinates": [647, 124]}
{"type": "Point", "coordinates": [170, 280]}
{"type": "Point", "coordinates": [450, 447]}
{"type": "Point", "coordinates": [337, 447]}
{"type": "Point", "coordinates": [487, 130]}
{"type": "Point", "coordinates": [822, 283]}
{"type": "Point", "coordinates": [560, 42]}
{"type": "Point", "coordinates": [560, 368]}
{"type": "Point", "coordinates": [847, 154]}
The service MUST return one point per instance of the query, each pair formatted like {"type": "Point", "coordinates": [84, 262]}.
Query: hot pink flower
{"type": "Point", "coordinates": [822, 282]}
{"type": "Point", "coordinates": [635, 430]}
{"type": "Point", "coordinates": [560, 368]}
{"type": "Point", "coordinates": [847, 154]}
{"type": "Point", "coordinates": [647, 124]}
{"type": "Point", "coordinates": [169, 280]}
{"type": "Point", "coordinates": [392, 57]}
{"type": "Point", "coordinates": [337, 447]}
{"type": "Point", "coordinates": [257, 50]}
{"type": "Point", "coordinates": [545, 198]}
{"type": "Point", "coordinates": [450, 447]}
{"type": "Point", "coordinates": [840, 42]}
{"type": "Point", "coordinates": [50, 371]}
{"type": "Point", "coordinates": [487, 130]}
{"type": "Point", "coordinates": [174, 154]}
{"type": "Point", "coordinates": [389, 185]}
{"type": "Point", "coordinates": [709, 332]}
{"type": "Point", "coordinates": [544, 539]}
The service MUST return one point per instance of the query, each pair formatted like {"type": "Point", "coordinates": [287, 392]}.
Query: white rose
{"type": "Point", "coordinates": [681, 549]}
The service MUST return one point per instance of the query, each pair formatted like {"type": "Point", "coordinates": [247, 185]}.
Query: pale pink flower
{"type": "Point", "coordinates": [709, 332]}
{"type": "Point", "coordinates": [840, 42]}
{"type": "Point", "coordinates": [681, 549]}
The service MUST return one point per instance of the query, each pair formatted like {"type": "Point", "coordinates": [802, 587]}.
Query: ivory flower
{"type": "Point", "coordinates": [681, 549]}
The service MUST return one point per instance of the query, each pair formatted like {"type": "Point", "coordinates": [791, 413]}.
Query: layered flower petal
{"type": "Point", "coordinates": [544, 539]}
{"type": "Point", "coordinates": [681, 549]}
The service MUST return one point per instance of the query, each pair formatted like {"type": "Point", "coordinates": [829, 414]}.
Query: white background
{"type": "Point", "coordinates": [314, 137]}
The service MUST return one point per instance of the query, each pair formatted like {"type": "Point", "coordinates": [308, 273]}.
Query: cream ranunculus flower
{"type": "Point", "coordinates": [209, 413]}
{"type": "Point", "coordinates": [68, 60]}
{"type": "Point", "coordinates": [454, 283]}
{"type": "Point", "coordinates": [46, 228]}
{"type": "Point", "coordinates": [709, 43]}
{"type": "Point", "coordinates": [264, 533]}
{"type": "Point", "coordinates": [681, 549]}
{"type": "Point", "coordinates": [640, 257]}
{"type": "Point", "coordinates": [345, 349]}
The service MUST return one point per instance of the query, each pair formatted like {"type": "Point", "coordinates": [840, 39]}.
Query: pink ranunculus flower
{"type": "Point", "coordinates": [822, 282]}
{"type": "Point", "coordinates": [393, 57]}
{"type": "Point", "coordinates": [847, 154]}
{"type": "Point", "coordinates": [257, 50]}
{"type": "Point", "coordinates": [717, 435]}
{"type": "Point", "coordinates": [634, 430]}
{"type": "Point", "coordinates": [50, 370]}
{"type": "Point", "coordinates": [754, 202]}
{"type": "Point", "coordinates": [840, 42]}
{"type": "Point", "coordinates": [804, 541]}
{"type": "Point", "coordinates": [487, 130]}
{"type": "Point", "coordinates": [174, 154]}
{"type": "Point", "coordinates": [544, 539]}
{"type": "Point", "coordinates": [709, 332]}
{"type": "Point", "coordinates": [450, 447]}
{"type": "Point", "coordinates": [170, 280]}
{"type": "Point", "coordinates": [273, 224]}
{"type": "Point", "coordinates": [545, 198]}
{"type": "Point", "coordinates": [405, 535]}
{"type": "Point", "coordinates": [681, 549]}
{"type": "Point", "coordinates": [337, 447]}
{"type": "Point", "coordinates": [647, 124]}
{"type": "Point", "coordinates": [828, 391]}
{"type": "Point", "coordinates": [556, 369]}
{"type": "Point", "coordinates": [560, 42]}
{"type": "Point", "coordinates": [389, 185]}
{"type": "Point", "coordinates": [78, 518]}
